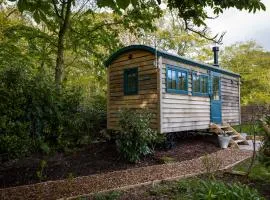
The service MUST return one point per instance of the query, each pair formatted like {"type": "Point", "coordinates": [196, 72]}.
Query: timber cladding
{"type": "Point", "coordinates": [147, 97]}
{"type": "Point", "coordinates": [183, 112]}
{"type": "Point", "coordinates": [230, 100]}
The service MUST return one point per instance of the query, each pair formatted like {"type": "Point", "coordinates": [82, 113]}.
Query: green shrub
{"type": "Point", "coordinates": [219, 191]}
{"type": "Point", "coordinates": [264, 155]}
{"type": "Point", "coordinates": [34, 117]}
{"type": "Point", "coordinates": [135, 138]}
{"type": "Point", "coordinates": [13, 146]}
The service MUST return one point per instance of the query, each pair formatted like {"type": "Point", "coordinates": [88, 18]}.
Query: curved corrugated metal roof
{"type": "Point", "coordinates": [168, 56]}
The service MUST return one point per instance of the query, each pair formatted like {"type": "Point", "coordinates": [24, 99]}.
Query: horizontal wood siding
{"type": "Point", "coordinates": [182, 112]}
{"type": "Point", "coordinates": [230, 100]}
{"type": "Point", "coordinates": [147, 97]}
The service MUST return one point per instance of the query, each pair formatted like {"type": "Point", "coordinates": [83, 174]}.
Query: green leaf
{"type": "Point", "coordinates": [123, 3]}
{"type": "Point", "coordinates": [106, 3]}
{"type": "Point", "coordinates": [36, 17]}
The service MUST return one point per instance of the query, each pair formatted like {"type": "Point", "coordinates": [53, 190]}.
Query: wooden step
{"type": "Point", "coordinates": [229, 132]}
{"type": "Point", "coordinates": [224, 126]}
{"type": "Point", "coordinates": [239, 141]}
{"type": "Point", "coordinates": [236, 138]}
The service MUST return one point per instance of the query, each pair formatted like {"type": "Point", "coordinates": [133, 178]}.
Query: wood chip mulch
{"type": "Point", "coordinates": [117, 179]}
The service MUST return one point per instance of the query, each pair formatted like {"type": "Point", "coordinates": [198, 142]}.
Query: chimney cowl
{"type": "Point", "coordinates": [215, 50]}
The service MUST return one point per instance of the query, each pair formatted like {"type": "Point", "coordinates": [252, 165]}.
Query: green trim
{"type": "Point", "coordinates": [168, 56]}
{"type": "Point", "coordinates": [127, 90]}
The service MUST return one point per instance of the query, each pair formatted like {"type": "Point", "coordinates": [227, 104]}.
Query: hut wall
{"type": "Point", "coordinates": [148, 95]}
{"type": "Point", "coordinates": [230, 99]}
{"type": "Point", "coordinates": [182, 112]}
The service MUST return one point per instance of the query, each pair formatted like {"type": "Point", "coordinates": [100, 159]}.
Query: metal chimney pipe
{"type": "Point", "coordinates": [215, 50]}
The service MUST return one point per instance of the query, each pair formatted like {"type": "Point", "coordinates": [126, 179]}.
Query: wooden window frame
{"type": "Point", "coordinates": [200, 93]}
{"type": "Point", "coordinates": [126, 73]}
{"type": "Point", "coordinates": [177, 70]}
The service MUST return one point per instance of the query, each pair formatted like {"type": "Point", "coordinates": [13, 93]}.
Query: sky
{"type": "Point", "coordinates": [242, 26]}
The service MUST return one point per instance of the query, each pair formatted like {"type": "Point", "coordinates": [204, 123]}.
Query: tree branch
{"type": "Point", "coordinates": [203, 33]}
{"type": "Point", "coordinates": [10, 13]}
{"type": "Point", "coordinates": [56, 10]}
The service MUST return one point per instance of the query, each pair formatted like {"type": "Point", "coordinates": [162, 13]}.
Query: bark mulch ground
{"type": "Point", "coordinates": [122, 178]}
{"type": "Point", "coordinates": [95, 158]}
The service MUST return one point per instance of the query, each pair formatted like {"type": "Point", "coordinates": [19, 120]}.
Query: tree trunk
{"type": "Point", "coordinates": [59, 61]}
{"type": "Point", "coordinates": [59, 67]}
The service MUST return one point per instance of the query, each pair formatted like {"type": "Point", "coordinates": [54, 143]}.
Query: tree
{"type": "Point", "coordinates": [252, 62]}
{"type": "Point", "coordinates": [171, 36]}
{"type": "Point", "coordinates": [192, 13]}
{"type": "Point", "coordinates": [58, 16]}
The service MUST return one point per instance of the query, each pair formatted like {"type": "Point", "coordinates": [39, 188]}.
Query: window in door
{"type": "Point", "coordinates": [216, 88]}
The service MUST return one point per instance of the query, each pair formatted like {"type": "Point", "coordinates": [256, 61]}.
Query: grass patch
{"type": "Point", "coordinates": [247, 128]}
{"type": "Point", "coordinates": [114, 195]}
{"type": "Point", "coordinates": [258, 172]}
{"type": "Point", "coordinates": [167, 159]}
{"type": "Point", "coordinates": [244, 128]}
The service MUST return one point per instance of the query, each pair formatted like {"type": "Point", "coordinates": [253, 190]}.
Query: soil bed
{"type": "Point", "coordinates": [94, 159]}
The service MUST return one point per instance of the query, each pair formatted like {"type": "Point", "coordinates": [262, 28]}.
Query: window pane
{"type": "Point", "coordinates": [196, 83]}
{"type": "Point", "coordinates": [216, 88]}
{"type": "Point", "coordinates": [169, 84]}
{"type": "Point", "coordinates": [184, 84]}
{"type": "Point", "coordinates": [173, 80]}
{"type": "Point", "coordinates": [131, 81]}
{"type": "Point", "coordinates": [204, 86]}
{"type": "Point", "coordinates": [181, 81]}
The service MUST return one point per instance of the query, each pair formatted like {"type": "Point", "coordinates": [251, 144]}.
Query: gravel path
{"type": "Point", "coordinates": [118, 179]}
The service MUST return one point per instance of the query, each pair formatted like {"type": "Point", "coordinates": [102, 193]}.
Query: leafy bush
{"type": "Point", "coordinates": [264, 156]}
{"type": "Point", "coordinates": [34, 117]}
{"type": "Point", "coordinates": [86, 123]}
{"type": "Point", "coordinates": [135, 138]}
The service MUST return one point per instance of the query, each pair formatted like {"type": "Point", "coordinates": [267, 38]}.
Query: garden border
{"type": "Point", "coordinates": [120, 180]}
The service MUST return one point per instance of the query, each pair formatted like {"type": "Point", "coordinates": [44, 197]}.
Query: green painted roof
{"type": "Point", "coordinates": [168, 56]}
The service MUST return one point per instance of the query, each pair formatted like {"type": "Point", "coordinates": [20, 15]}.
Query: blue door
{"type": "Point", "coordinates": [215, 108]}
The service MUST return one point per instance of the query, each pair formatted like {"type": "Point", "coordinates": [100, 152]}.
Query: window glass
{"type": "Point", "coordinates": [169, 78]}
{"type": "Point", "coordinates": [204, 84]}
{"type": "Point", "coordinates": [181, 80]}
{"type": "Point", "coordinates": [173, 79]}
{"type": "Point", "coordinates": [131, 81]}
{"type": "Point", "coordinates": [216, 88]}
{"type": "Point", "coordinates": [200, 84]}
{"type": "Point", "coordinates": [176, 80]}
{"type": "Point", "coordinates": [196, 83]}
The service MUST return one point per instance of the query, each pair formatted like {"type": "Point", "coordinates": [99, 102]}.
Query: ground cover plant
{"type": "Point", "coordinates": [187, 189]}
